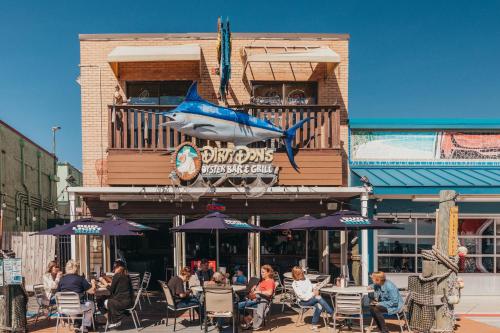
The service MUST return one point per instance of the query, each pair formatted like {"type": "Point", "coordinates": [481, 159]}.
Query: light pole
{"type": "Point", "coordinates": [54, 129]}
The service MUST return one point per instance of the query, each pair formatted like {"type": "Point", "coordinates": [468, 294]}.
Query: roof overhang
{"type": "Point", "coordinates": [183, 52]}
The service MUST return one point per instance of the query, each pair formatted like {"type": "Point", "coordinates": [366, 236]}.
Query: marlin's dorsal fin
{"type": "Point", "coordinates": [192, 94]}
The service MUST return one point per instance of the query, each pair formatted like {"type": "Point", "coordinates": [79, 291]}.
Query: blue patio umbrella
{"type": "Point", "coordinates": [349, 220]}
{"type": "Point", "coordinates": [302, 223]}
{"type": "Point", "coordinates": [218, 222]}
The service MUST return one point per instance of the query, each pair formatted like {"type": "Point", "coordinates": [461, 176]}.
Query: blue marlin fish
{"type": "Point", "coordinates": [204, 120]}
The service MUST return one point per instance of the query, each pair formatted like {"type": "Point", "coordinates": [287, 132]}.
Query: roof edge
{"type": "Point", "coordinates": [213, 35]}
{"type": "Point", "coordinates": [25, 138]}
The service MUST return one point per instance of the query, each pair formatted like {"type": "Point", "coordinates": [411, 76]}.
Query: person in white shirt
{"type": "Point", "coordinates": [51, 280]}
{"type": "Point", "coordinates": [309, 296]}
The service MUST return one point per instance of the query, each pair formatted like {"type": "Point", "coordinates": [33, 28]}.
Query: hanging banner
{"type": "Point", "coordinates": [453, 232]}
{"type": "Point", "coordinates": [12, 272]}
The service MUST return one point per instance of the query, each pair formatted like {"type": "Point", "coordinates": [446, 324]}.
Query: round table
{"type": "Point", "coordinates": [348, 290]}
{"type": "Point", "coordinates": [236, 288]}
{"type": "Point", "coordinates": [312, 277]}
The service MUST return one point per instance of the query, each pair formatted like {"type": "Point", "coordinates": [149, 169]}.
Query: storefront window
{"type": "Point", "coordinates": [284, 93]}
{"type": "Point", "coordinates": [157, 93]}
{"type": "Point", "coordinates": [481, 237]}
{"type": "Point", "coordinates": [397, 264]}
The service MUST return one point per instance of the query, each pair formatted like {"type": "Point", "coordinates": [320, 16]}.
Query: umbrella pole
{"type": "Point", "coordinates": [217, 249]}
{"type": "Point", "coordinates": [307, 248]}
{"type": "Point", "coordinates": [116, 248]}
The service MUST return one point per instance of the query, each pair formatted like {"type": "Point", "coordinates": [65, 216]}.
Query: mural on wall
{"type": "Point", "coordinates": [424, 146]}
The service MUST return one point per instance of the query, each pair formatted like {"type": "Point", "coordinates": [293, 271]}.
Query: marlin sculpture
{"type": "Point", "coordinates": [204, 120]}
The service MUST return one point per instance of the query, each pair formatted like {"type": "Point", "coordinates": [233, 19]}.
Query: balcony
{"type": "Point", "coordinates": [137, 127]}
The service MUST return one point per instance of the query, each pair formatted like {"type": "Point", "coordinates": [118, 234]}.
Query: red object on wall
{"type": "Point", "coordinates": [196, 263]}
{"type": "Point", "coordinates": [215, 207]}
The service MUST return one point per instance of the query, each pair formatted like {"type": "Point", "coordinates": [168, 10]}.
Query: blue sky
{"type": "Point", "coordinates": [407, 59]}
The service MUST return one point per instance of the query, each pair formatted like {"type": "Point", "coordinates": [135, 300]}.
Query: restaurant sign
{"type": "Point", "coordinates": [215, 162]}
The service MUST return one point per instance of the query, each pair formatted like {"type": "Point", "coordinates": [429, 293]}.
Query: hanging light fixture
{"type": "Point", "coordinates": [192, 205]}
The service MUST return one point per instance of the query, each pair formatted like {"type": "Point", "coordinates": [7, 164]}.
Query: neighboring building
{"type": "Point", "coordinates": [69, 176]}
{"type": "Point", "coordinates": [27, 199]}
{"type": "Point", "coordinates": [408, 162]}
{"type": "Point", "coordinates": [128, 156]}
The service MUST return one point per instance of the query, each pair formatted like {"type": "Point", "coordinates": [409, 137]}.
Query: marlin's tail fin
{"type": "Point", "coordinates": [289, 137]}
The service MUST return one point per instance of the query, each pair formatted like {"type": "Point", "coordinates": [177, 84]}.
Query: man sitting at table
{"type": "Point", "coordinates": [122, 295]}
{"type": "Point", "coordinates": [183, 297]}
{"type": "Point", "coordinates": [77, 283]}
{"type": "Point", "coordinates": [386, 299]}
{"type": "Point", "coordinates": [204, 272]}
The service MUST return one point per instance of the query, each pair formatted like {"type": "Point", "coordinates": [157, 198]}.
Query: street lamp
{"type": "Point", "coordinates": [54, 129]}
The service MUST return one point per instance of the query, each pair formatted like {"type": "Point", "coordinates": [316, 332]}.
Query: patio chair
{"type": "Point", "coordinates": [303, 309]}
{"type": "Point", "coordinates": [172, 306]}
{"type": "Point", "coordinates": [220, 303]}
{"type": "Point", "coordinates": [279, 284]}
{"type": "Point", "coordinates": [287, 297]}
{"type": "Point", "coordinates": [69, 308]}
{"type": "Point", "coordinates": [135, 279]}
{"type": "Point", "coordinates": [43, 302]}
{"type": "Point", "coordinates": [348, 306]}
{"type": "Point", "coordinates": [144, 285]}
{"type": "Point", "coordinates": [133, 313]}
{"type": "Point", "coordinates": [401, 315]}
{"type": "Point", "coordinates": [267, 310]}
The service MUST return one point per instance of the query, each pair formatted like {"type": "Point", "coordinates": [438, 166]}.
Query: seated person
{"type": "Point", "coordinates": [122, 295]}
{"type": "Point", "coordinates": [194, 281]}
{"type": "Point", "coordinates": [309, 296]}
{"type": "Point", "coordinates": [204, 272]}
{"type": "Point", "coordinates": [218, 279]}
{"type": "Point", "coordinates": [259, 297]}
{"type": "Point", "coordinates": [239, 277]}
{"type": "Point", "coordinates": [386, 299]}
{"type": "Point", "coordinates": [183, 296]}
{"type": "Point", "coordinates": [50, 281]}
{"type": "Point", "coordinates": [71, 281]}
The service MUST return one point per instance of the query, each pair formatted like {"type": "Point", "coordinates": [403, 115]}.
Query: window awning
{"type": "Point", "coordinates": [155, 53]}
{"type": "Point", "coordinates": [429, 180]}
{"type": "Point", "coordinates": [317, 54]}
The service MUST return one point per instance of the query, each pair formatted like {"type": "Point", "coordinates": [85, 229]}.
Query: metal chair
{"type": "Point", "coordinates": [145, 284]}
{"type": "Point", "coordinates": [279, 284]}
{"type": "Point", "coordinates": [288, 296]}
{"type": "Point", "coordinates": [69, 308]}
{"type": "Point", "coordinates": [133, 313]}
{"type": "Point", "coordinates": [135, 279]}
{"type": "Point", "coordinates": [267, 310]}
{"type": "Point", "coordinates": [401, 315]}
{"type": "Point", "coordinates": [303, 310]}
{"type": "Point", "coordinates": [219, 303]}
{"type": "Point", "coordinates": [43, 302]}
{"type": "Point", "coordinates": [348, 306]}
{"type": "Point", "coordinates": [172, 306]}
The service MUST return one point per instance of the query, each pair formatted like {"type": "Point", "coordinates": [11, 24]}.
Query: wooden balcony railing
{"type": "Point", "coordinates": [137, 127]}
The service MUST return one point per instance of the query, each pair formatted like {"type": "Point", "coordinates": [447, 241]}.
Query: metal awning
{"type": "Point", "coordinates": [288, 54]}
{"type": "Point", "coordinates": [184, 52]}
{"type": "Point", "coordinates": [392, 180]}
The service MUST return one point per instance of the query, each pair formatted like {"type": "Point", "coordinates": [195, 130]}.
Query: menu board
{"type": "Point", "coordinates": [12, 271]}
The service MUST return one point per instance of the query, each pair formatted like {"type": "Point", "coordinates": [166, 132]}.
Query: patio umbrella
{"type": "Point", "coordinates": [349, 220]}
{"type": "Point", "coordinates": [300, 223]}
{"type": "Point", "coordinates": [218, 222]}
{"type": "Point", "coordinates": [90, 226]}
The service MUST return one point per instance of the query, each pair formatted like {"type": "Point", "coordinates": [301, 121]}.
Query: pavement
{"type": "Point", "coordinates": [475, 314]}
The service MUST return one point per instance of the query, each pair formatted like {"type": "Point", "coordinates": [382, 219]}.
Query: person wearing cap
{"type": "Point", "coordinates": [121, 292]}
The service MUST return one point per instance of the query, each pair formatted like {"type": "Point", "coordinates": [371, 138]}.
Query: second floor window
{"type": "Point", "coordinates": [157, 92]}
{"type": "Point", "coordinates": [284, 93]}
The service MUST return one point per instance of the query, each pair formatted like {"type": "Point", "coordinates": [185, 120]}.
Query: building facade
{"type": "Point", "coordinates": [27, 199]}
{"type": "Point", "coordinates": [130, 158]}
{"type": "Point", "coordinates": [407, 163]}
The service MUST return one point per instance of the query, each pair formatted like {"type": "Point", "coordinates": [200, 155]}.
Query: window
{"type": "Point", "coordinates": [284, 93]}
{"type": "Point", "coordinates": [157, 92]}
{"type": "Point", "coordinates": [399, 251]}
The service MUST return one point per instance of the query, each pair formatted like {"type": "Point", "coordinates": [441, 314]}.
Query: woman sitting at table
{"type": "Point", "coordinates": [183, 296]}
{"type": "Point", "coordinates": [309, 296]}
{"type": "Point", "coordinates": [51, 281]}
{"type": "Point", "coordinates": [218, 279]}
{"type": "Point", "coordinates": [386, 299]}
{"type": "Point", "coordinates": [258, 298]}
{"type": "Point", "coordinates": [122, 294]}
{"type": "Point", "coordinates": [73, 282]}
{"type": "Point", "coordinates": [239, 277]}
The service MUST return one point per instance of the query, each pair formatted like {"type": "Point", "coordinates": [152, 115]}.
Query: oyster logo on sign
{"type": "Point", "coordinates": [355, 220]}
{"type": "Point", "coordinates": [82, 229]}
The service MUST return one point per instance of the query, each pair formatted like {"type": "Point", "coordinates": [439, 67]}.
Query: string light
{"type": "Point", "coordinates": [192, 205]}
{"type": "Point", "coordinates": [246, 203]}
{"type": "Point", "coordinates": [321, 201]}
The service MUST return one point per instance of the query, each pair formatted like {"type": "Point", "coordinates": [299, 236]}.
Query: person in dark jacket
{"type": "Point", "coordinates": [122, 295]}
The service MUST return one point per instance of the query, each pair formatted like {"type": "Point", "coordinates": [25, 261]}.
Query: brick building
{"type": "Point", "coordinates": [129, 157]}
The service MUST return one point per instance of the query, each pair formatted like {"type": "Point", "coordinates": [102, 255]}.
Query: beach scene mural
{"type": "Point", "coordinates": [424, 146]}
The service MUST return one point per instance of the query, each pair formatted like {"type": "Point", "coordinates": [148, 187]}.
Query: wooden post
{"type": "Point", "coordinates": [446, 202]}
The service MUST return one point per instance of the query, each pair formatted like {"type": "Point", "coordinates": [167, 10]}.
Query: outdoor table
{"type": "Point", "coordinates": [351, 289]}
{"type": "Point", "coordinates": [236, 288]}
{"type": "Point", "coordinates": [312, 277]}
{"type": "Point", "coordinates": [102, 291]}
